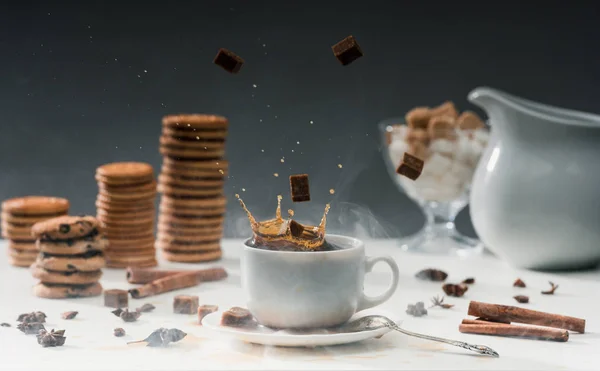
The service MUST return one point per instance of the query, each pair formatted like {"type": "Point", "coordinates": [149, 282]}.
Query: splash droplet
{"type": "Point", "coordinates": [243, 189]}
{"type": "Point", "coordinates": [276, 175]}
{"type": "Point", "coordinates": [282, 159]}
{"type": "Point", "coordinates": [331, 191]}
{"type": "Point", "coordinates": [221, 171]}
{"type": "Point", "coordinates": [340, 166]}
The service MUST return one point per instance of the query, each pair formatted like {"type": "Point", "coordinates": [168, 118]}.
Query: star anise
{"type": "Point", "coordinates": [51, 339]}
{"type": "Point", "coordinates": [32, 317]}
{"type": "Point", "coordinates": [439, 302]}
{"type": "Point", "coordinates": [162, 337]}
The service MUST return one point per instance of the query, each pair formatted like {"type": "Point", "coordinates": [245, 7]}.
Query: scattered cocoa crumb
{"type": "Point", "coordinates": [69, 315]}
{"type": "Point", "coordinates": [437, 302]}
{"type": "Point", "coordinates": [469, 281]}
{"type": "Point", "coordinates": [4, 324]}
{"type": "Point", "coordinates": [523, 299]}
{"type": "Point", "coordinates": [431, 274]}
{"type": "Point", "coordinates": [119, 332]}
{"type": "Point", "coordinates": [455, 290]}
{"type": "Point", "coordinates": [519, 283]}
{"type": "Point", "coordinates": [553, 288]}
{"type": "Point", "coordinates": [417, 309]}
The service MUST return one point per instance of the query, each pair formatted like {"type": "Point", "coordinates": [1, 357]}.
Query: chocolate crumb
{"type": "Point", "coordinates": [523, 299]}
{"type": "Point", "coordinates": [64, 228]}
{"type": "Point", "coordinates": [519, 283]}
{"type": "Point", "coordinates": [416, 310]}
{"type": "Point", "coordinates": [553, 288]}
{"type": "Point", "coordinates": [69, 315]}
{"type": "Point", "coordinates": [228, 60]}
{"type": "Point", "coordinates": [469, 281]}
{"type": "Point", "coordinates": [299, 188]}
{"type": "Point", "coordinates": [347, 50]}
{"type": "Point", "coordinates": [455, 290]}
{"type": "Point", "coordinates": [432, 275]}
{"type": "Point", "coordinates": [119, 332]}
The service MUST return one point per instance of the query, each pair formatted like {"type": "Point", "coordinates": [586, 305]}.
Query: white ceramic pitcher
{"type": "Point", "coordinates": [535, 197]}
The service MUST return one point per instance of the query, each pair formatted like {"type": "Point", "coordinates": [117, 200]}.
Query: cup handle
{"type": "Point", "coordinates": [367, 302]}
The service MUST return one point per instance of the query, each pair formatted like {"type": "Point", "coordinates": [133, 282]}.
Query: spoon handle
{"type": "Point", "coordinates": [481, 349]}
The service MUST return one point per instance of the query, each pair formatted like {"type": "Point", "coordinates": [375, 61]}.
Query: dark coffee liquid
{"type": "Point", "coordinates": [326, 246]}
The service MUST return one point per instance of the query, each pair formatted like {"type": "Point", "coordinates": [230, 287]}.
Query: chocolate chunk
{"type": "Point", "coordinates": [185, 304]}
{"type": "Point", "coordinates": [410, 167]}
{"type": "Point", "coordinates": [64, 228]}
{"type": "Point", "coordinates": [432, 275]}
{"type": "Point", "coordinates": [237, 317]}
{"type": "Point", "coordinates": [228, 60]}
{"type": "Point", "coordinates": [519, 283]}
{"type": "Point", "coordinates": [299, 188]}
{"type": "Point", "coordinates": [296, 228]}
{"type": "Point", "coordinates": [69, 315]}
{"type": "Point", "coordinates": [347, 50]}
{"type": "Point", "coordinates": [455, 290]}
{"type": "Point", "coordinates": [523, 299]}
{"type": "Point", "coordinates": [469, 281]}
{"type": "Point", "coordinates": [116, 298]}
{"type": "Point", "coordinates": [118, 332]}
{"type": "Point", "coordinates": [205, 310]}
{"type": "Point", "coordinates": [146, 308]}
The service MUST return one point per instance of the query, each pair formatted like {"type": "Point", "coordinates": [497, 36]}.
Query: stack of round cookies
{"type": "Point", "coordinates": [18, 215]}
{"type": "Point", "coordinates": [70, 260]}
{"type": "Point", "coordinates": [192, 207]}
{"type": "Point", "coordinates": [126, 210]}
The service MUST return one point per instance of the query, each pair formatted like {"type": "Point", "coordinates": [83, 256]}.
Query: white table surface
{"type": "Point", "coordinates": [90, 344]}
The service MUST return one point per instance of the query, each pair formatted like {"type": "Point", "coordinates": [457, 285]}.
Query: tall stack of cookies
{"type": "Point", "coordinates": [70, 261]}
{"type": "Point", "coordinates": [126, 210]}
{"type": "Point", "coordinates": [192, 207]}
{"type": "Point", "coordinates": [18, 215]}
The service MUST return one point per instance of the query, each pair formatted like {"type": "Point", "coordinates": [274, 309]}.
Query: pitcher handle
{"type": "Point", "coordinates": [366, 301]}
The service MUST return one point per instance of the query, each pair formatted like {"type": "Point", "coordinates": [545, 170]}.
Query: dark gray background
{"type": "Point", "coordinates": [86, 84]}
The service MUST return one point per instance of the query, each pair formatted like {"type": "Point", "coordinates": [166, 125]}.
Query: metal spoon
{"type": "Point", "coordinates": [368, 323]}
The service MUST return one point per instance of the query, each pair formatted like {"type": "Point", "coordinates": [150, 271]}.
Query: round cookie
{"type": "Point", "coordinates": [200, 154]}
{"type": "Point", "coordinates": [50, 291]}
{"type": "Point", "coordinates": [197, 257]}
{"type": "Point", "coordinates": [169, 221]}
{"type": "Point", "coordinates": [191, 221]}
{"type": "Point", "coordinates": [167, 238]}
{"type": "Point", "coordinates": [137, 253]}
{"type": "Point", "coordinates": [75, 263]}
{"type": "Point", "coordinates": [191, 192]}
{"type": "Point", "coordinates": [23, 245]}
{"type": "Point", "coordinates": [150, 263]}
{"type": "Point", "coordinates": [128, 197]}
{"type": "Point", "coordinates": [195, 121]}
{"type": "Point", "coordinates": [21, 258]}
{"type": "Point", "coordinates": [191, 133]}
{"type": "Point", "coordinates": [16, 232]}
{"type": "Point", "coordinates": [66, 227]}
{"type": "Point", "coordinates": [115, 229]}
{"type": "Point", "coordinates": [107, 222]}
{"type": "Point", "coordinates": [183, 182]}
{"type": "Point", "coordinates": [141, 241]}
{"type": "Point", "coordinates": [128, 189]}
{"type": "Point", "coordinates": [120, 207]}
{"type": "Point", "coordinates": [123, 172]}
{"type": "Point", "coordinates": [192, 214]}
{"type": "Point", "coordinates": [129, 235]}
{"type": "Point", "coordinates": [108, 217]}
{"type": "Point", "coordinates": [178, 203]}
{"type": "Point", "coordinates": [189, 232]}
{"type": "Point", "coordinates": [24, 219]}
{"type": "Point", "coordinates": [191, 143]}
{"type": "Point", "coordinates": [187, 247]}
{"type": "Point", "coordinates": [208, 165]}
{"type": "Point", "coordinates": [73, 247]}
{"type": "Point", "coordinates": [129, 249]}
{"type": "Point", "coordinates": [36, 205]}
{"type": "Point", "coordinates": [67, 278]}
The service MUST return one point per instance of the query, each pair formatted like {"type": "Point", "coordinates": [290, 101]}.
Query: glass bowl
{"type": "Point", "coordinates": [442, 189]}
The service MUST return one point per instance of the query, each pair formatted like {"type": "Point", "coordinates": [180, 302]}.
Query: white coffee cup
{"type": "Point", "coordinates": [310, 289]}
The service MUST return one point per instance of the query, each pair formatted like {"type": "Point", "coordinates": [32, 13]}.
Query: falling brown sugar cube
{"type": "Point", "coordinates": [116, 298]}
{"type": "Point", "coordinates": [469, 121]}
{"type": "Point", "coordinates": [418, 118]}
{"type": "Point", "coordinates": [445, 109]}
{"type": "Point", "coordinates": [347, 50]}
{"type": "Point", "coordinates": [205, 310]}
{"type": "Point", "coordinates": [299, 188]}
{"type": "Point", "coordinates": [228, 60]}
{"type": "Point", "coordinates": [237, 317]}
{"type": "Point", "coordinates": [442, 127]}
{"type": "Point", "coordinates": [185, 304]}
{"type": "Point", "coordinates": [410, 167]}
{"type": "Point", "coordinates": [296, 228]}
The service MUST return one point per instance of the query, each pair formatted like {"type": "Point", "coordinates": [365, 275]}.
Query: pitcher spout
{"type": "Point", "coordinates": [490, 100]}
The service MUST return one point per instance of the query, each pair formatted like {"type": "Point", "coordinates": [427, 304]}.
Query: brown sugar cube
{"type": "Point", "coordinates": [442, 127]}
{"type": "Point", "coordinates": [115, 298]}
{"type": "Point", "coordinates": [205, 310]}
{"type": "Point", "coordinates": [296, 228]}
{"type": "Point", "coordinates": [445, 109]}
{"type": "Point", "coordinates": [410, 167]}
{"type": "Point", "coordinates": [237, 317]}
{"type": "Point", "coordinates": [185, 304]}
{"type": "Point", "coordinates": [228, 60]}
{"type": "Point", "coordinates": [299, 188]}
{"type": "Point", "coordinates": [418, 118]}
{"type": "Point", "coordinates": [469, 120]}
{"type": "Point", "coordinates": [347, 50]}
{"type": "Point", "coordinates": [419, 150]}
{"type": "Point", "coordinates": [416, 135]}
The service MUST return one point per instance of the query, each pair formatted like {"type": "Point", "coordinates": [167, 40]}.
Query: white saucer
{"type": "Point", "coordinates": [287, 338]}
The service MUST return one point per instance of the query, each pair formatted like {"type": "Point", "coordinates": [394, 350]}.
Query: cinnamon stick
{"type": "Point", "coordinates": [145, 275]}
{"type": "Point", "coordinates": [503, 313]}
{"type": "Point", "coordinates": [524, 331]}
{"type": "Point", "coordinates": [166, 284]}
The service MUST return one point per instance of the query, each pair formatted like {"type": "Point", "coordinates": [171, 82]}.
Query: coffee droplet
{"type": "Point", "coordinates": [275, 175]}
{"type": "Point", "coordinates": [282, 160]}
{"type": "Point", "coordinates": [340, 166]}
{"type": "Point", "coordinates": [221, 171]}
{"type": "Point", "coordinates": [332, 191]}
{"type": "Point", "coordinates": [243, 189]}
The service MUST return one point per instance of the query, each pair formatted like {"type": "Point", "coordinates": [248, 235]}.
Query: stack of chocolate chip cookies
{"type": "Point", "coordinates": [126, 210]}
{"type": "Point", "coordinates": [18, 215]}
{"type": "Point", "coordinates": [192, 207]}
{"type": "Point", "coordinates": [70, 261]}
